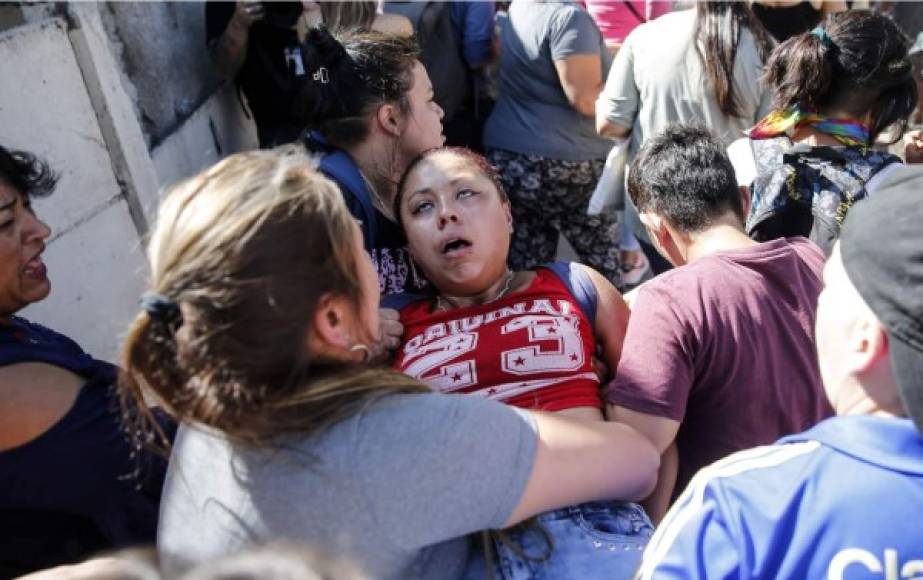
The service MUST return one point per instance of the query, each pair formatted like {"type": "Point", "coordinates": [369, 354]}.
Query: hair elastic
{"type": "Point", "coordinates": [820, 33]}
{"type": "Point", "coordinates": [161, 308]}
{"type": "Point", "coordinates": [322, 75]}
{"type": "Point", "coordinates": [900, 68]}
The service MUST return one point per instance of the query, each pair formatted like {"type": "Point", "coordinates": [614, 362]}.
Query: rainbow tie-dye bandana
{"type": "Point", "coordinates": [787, 121]}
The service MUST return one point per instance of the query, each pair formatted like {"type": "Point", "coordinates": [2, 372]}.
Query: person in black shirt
{"type": "Point", "coordinates": [71, 482]}
{"type": "Point", "coordinates": [259, 45]}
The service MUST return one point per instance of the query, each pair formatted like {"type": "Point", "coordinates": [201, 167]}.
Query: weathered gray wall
{"type": "Point", "coordinates": [162, 49]}
{"type": "Point", "coordinates": [122, 101]}
{"type": "Point", "coordinates": [189, 115]}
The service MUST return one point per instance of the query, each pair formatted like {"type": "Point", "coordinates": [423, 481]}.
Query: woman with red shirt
{"type": "Point", "coordinates": [526, 338]}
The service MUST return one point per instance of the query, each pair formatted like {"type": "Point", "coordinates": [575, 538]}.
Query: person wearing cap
{"type": "Point", "coordinates": [842, 499]}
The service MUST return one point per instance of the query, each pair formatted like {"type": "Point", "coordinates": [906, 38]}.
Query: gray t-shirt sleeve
{"type": "Point", "coordinates": [434, 467]}
{"type": "Point", "coordinates": [620, 99]}
{"type": "Point", "coordinates": [573, 32]}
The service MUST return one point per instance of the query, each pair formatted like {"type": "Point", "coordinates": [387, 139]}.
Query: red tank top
{"type": "Point", "coordinates": [531, 349]}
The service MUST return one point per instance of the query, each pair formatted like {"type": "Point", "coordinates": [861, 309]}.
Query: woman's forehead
{"type": "Point", "coordinates": [8, 193]}
{"type": "Point", "coordinates": [448, 162]}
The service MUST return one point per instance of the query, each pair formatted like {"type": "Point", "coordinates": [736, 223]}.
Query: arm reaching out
{"type": "Point", "coordinates": [578, 461]}
{"type": "Point", "coordinates": [229, 50]}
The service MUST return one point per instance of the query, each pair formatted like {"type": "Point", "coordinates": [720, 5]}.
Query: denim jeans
{"type": "Point", "coordinates": [587, 541]}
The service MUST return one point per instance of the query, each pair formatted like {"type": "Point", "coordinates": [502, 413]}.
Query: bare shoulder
{"type": "Point", "coordinates": [33, 397]}
{"type": "Point", "coordinates": [600, 281]}
{"type": "Point", "coordinates": [395, 24]}
{"type": "Point", "coordinates": [612, 314]}
{"type": "Point", "coordinates": [610, 298]}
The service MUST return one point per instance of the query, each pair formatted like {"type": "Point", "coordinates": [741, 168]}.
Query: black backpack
{"type": "Point", "coordinates": [807, 191]}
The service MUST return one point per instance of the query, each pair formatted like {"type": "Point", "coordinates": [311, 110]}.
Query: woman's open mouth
{"type": "Point", "coordinates": [35, 268]}
{"type": "Point", "coordinates": [455, 247]}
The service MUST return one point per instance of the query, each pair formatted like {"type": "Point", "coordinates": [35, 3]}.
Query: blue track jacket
{"type": "Point", "coordinates": [843, 500]}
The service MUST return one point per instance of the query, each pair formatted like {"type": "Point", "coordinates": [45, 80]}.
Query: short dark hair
{"type": "Point", "coordinates": [29, 175]}
{"type": "Point", "coordinates": [860, 66]}
{"type": "Point", "coordinates": [684, 175]}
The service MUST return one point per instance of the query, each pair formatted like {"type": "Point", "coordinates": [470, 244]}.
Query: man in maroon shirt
{"type": "Point", "coordinates": [719, 354]}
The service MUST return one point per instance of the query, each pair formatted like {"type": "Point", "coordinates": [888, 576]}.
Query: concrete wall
{"type": "Point", "coordinates": [161, 47]}
{"type": "Point", "coordinates": [121, 100]}
{"type": "Point", "coordinates": [189, 115]}
{"type": "Point", "coordinates": [215, 129]}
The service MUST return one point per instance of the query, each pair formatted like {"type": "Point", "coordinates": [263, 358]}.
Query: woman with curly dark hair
{"type": "Point", "coordinates": [67, 488]}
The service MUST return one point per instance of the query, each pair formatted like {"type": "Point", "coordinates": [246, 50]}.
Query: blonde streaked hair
{"type": "Point", "coordinates": [247, 249]}
{"type": "Point", "coordinates": [348, 16]}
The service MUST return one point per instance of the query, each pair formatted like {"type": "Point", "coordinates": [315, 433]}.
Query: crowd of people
{"type": "Point", "coordinates": [359, 358]}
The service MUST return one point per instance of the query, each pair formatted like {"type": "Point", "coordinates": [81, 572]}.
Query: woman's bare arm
{"type": "Point", "coordinates": [578, 461]}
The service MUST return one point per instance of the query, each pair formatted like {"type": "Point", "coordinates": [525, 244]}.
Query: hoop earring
{"type": "Point", "coordinates": [366, 352]}
{"type": "Point", "coordinates": [413, 270]}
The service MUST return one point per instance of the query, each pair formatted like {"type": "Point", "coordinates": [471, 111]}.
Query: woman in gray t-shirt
{"type": "Point", "coordinates": [541, 138]}
{"type": "Point", "coordinates": [256, 336]}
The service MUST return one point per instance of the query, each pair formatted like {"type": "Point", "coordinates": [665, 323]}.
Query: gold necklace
{"type": "Point", "coordinates": [503, 292]}
{"type": "Point", "coordinates": [376, 199]}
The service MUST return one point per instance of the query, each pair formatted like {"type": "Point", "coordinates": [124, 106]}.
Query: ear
{"type": "Point", "coordinates": [331, 324]}
{"type": "Point", "coordinates": [669, 242]}
{"type": "Point", "coordinates": [390, 119]}
{"type": "Point", "coordinates": [662, 234]}
{"type": "Point", "coordinates": [746, 200]}
{"type": "Point", "coordinates": [870, 364]}
{"type": "Point", "coordinates": [508, 214]}
{"type": "Point", "coordinates": [869, 347]}
{"type": "Point", "coordinates": [657, 230]}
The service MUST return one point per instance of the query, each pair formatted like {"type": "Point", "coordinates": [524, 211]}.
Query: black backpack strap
{"type": "Point", "coordinates": [340, 167]}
